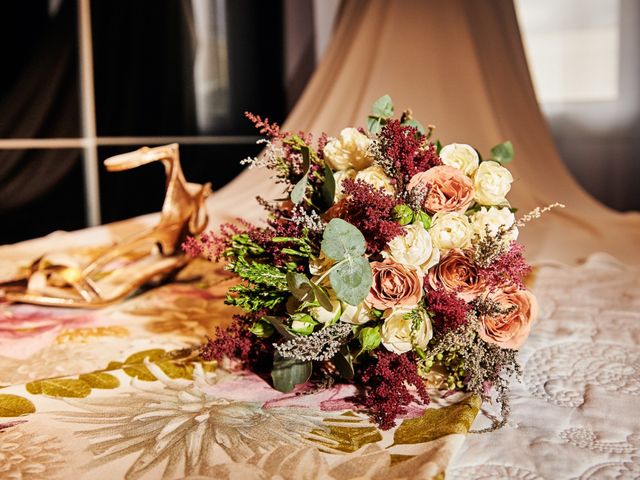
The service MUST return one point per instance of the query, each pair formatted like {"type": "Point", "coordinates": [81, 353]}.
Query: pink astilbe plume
{"type": "Point", "coordinates": [265, 127]}
{"type": "Point", "coordinates": [212, 245]}
{"type": "Point", "coordinates": [386, 384]}
{"type": "Point", "coordinates": [450, 311]}
{"type": "Point", "coordinates": [370, 210]}
{"type": "Point", "coordinates": [510, 268]}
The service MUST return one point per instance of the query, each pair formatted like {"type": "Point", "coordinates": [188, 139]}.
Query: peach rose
{"type": "Point", "coordinates": [394, 285]}
{"type": "Point", "coordinates": [456, 271]}
{"type": "Point", "coordinates": [448, 189]}
{"type": "Point", "coordinates": [510, 330]}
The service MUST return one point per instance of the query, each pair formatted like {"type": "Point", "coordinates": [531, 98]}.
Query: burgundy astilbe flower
{"type": "Point", "coordinates": [510, 268]}
{"type": "Point", "coordinates": [450, 311]}
{"type": "Point", "coordinates": [213, 244]}
{"type": "Point", "coordinates": [370, 210]}
{"type": "Point", "coordinates": [404, 152]}
{"type": "Point", "coordinates": [265, 127]}
{"type": "Point", "coordinates": [386, 384]}
{"type": "Point", "coordinates": [237, 342]}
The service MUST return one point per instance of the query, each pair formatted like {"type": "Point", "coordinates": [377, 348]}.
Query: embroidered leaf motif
{"type": "Point", "coordinates": [60, 387]}
{"type": "Point", "coordinates": [15, 405]}
{"type": "Point", "coordinates": [100, 380]}
{"type": "Point", "coordinates": [347, 439]}
{"type": "Point", "coordinates": [438, 422]}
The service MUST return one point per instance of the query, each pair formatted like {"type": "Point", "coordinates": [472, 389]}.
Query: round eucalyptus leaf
{"type": "Point", "coordinates": [341, 240]}
{"type": "Point", "coordinates": [351, 280]}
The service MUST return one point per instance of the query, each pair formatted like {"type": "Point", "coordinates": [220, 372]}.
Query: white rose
{"type": "Point", "coordinates": [399, 332]}
{"type": "Point", "coordinates": [349, 150]}
{"type": "Point", "coordinates": [460, 156]}
{"type": "Point", "coordinates": [491, 183]}
{"type": "Point", "coordinates": [494, 218]}
{"type": "Point", "coordinates": [356, 315]}
{"type": "Point", "coordinates": [414, 248]}
{"type": "Point", "coordinates": [339, 177]}
{"type": "Point", "coordinates": [375, 176]}
{"type": "Point", "coordinates": [451, 230]}
{"type": "Point", "coordinates": [322, 315]}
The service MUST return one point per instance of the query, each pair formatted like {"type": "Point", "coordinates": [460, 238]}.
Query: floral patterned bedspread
{"type": "Point", "coordinates": [121, 393]}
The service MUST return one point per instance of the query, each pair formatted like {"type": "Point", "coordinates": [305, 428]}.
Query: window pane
{"type": "Point", "coordinates": [44, 190]}
{"type": "Point", "coordinates": [186, 67]}
{"type": "Point", "coordinates": [39, 94]}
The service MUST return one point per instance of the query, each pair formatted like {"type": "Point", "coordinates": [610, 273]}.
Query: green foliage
{"type": "Point", "coordinates": [370, 338]}
{"type": "Point", "coordinates": [342, 240]}
{"type": "Point", "coordinates": [502, 153]}
{"type": "Point", "coordinates": [343, 362]}
{"type": "Point", "coordinates": [289, 372]}
{"type": "Point", "coordinates": [424, 218]}
{"type": "Point", "coordinates": [403, 214]}
{"type": "Point", "coordinates": [265, 285]}
{"type": "Point", "coordinates": [300, 189]}
{"type": "Point", "coordinates": [381, 112]}
{"type": "Point", "coordinates": [351, 279]}
{"type": "Point", "coordinates": [328, 189]}
{"type": "Point", "coordinates": [262, 329]}
{"type": "Point", "coordinates": [416, 124]}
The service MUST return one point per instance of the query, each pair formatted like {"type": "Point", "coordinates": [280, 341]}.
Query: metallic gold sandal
{"type": "Point", "coordinates": [58, 280]}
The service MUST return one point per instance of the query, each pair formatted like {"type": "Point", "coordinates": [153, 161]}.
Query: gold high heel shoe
{"type": "Point", "coordinates": [58, 279]}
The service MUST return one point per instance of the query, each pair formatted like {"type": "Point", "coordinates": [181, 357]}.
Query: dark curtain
{"type": "Point", "coordinates": [39, 97]}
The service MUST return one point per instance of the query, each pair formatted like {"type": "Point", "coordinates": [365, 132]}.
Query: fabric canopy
{"type": "Point", "coordinates": [459, 65]}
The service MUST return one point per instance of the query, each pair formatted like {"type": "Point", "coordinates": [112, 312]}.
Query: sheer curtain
{"type": "Point", "coordinates": [460, 65]}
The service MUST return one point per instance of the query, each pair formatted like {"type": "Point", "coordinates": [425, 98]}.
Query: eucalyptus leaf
{"type": "Point", "coordinates": [341, 240]}
{"type": "Point", "coordinates": [351, 280]}
{"type": "Point", "coordinates": [289, 372]}
{"type": "Point", "coordinates": [374, 124]}
{"type": "Point", "coordinates": [383, 107]}
{"type": "Point", "coordinates": [300, 286]}
{"type": "Point", "coordinates": [300, 189]}
{"type": "Point", "coordinates": [322, 297]}
{"type": "Point", "coordinates": [344, 363]}
{"type": "Point", "coordinates": [415, 123]}
{"type": "Point", "coordinates": [328, 189]}
{"type": "Point", "coordinates": [278, 324]}
{"type": "Point", "coordinates": [503, 152]}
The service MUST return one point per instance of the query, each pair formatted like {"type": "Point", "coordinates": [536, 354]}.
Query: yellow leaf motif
{"type": "Point", "coordinates": [15, 405]}
{"type": "Point", "coordinates": [100, 380]}
{"type": "Point", "coordinates": [60, 387]}
{"type": "Point", "coordinates": [438, 422]}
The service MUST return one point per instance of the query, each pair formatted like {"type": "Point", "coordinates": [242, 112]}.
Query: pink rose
{"type": "Point", "coordinates": [393, 285]}
{"type": "Point", "coordinates": [457, 272]}
{"type": "Point", "coordinates": [512, 329]}
{"type": "Point", "coordinates": [448, 189]}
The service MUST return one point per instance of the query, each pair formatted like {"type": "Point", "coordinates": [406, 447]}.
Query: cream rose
{"type": "Point", "coordinates": [491, 183]}
{"type": "Point", "coordinates": [460, 156]}
{"type": "Point", "coordinates": [448, 189]}
{"type": "Point", "coordinates": [510, 330]}
{"type": "Point", "coordinates": [375, 176]}
{"type": "Point", "coordinates": [349, 150]}
{"type": "Point", "coordinates": [322, 315]}
{"type": "Point", "coordinates": [494, 218]}
{"type": "Point", "coordinates": [339, 177]}
{"type": "Point", "coordinates": [356, 315]}
{"type": "Point", "coordinates": [414, 248]}
{"type": "Point", "coordinates": [400, 331]}
{"type": "Point", "coordinates": [450, 230]}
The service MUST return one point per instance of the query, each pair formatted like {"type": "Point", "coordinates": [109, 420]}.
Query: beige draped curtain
{"type": "Point", "coordinates": [460, 65]}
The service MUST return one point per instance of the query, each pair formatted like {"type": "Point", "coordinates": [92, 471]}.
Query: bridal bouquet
{"type": "Point", "coordinates": [391, 263]}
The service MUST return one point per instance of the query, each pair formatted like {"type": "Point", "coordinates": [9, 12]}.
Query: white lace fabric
{"type": "Point", "coordinates": [576, 413]}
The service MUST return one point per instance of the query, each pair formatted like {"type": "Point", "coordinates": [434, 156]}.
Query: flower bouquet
{"type": "Point", "coordinates": [391, 264]}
